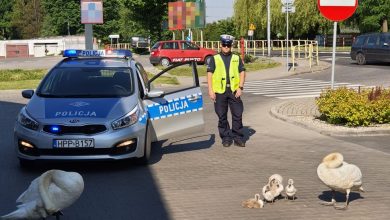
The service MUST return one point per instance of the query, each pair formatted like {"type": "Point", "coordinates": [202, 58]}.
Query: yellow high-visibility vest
{"type": "Point", "coordinates": [219, 75]}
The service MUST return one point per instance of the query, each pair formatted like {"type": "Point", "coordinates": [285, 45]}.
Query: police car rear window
{"type": "Point", "coordinates": [80, 82]}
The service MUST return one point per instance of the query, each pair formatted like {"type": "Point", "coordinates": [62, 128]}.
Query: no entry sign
{"type": "Point", "coordinates": [337, 10]}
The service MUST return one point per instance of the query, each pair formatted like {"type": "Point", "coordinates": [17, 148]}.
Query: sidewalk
{"type": "Point", "coordinates": [303, 112]}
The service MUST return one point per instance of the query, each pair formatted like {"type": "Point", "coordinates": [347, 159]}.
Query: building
{"type": "Point", "coordinates": [41, 47]}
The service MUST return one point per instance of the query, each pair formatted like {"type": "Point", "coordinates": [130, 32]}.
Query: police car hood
{"type": "Point", "coordinates": [96, 109]}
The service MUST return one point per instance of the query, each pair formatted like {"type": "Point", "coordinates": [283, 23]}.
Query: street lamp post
{"type": "Point", "coordinates": [269, 28]}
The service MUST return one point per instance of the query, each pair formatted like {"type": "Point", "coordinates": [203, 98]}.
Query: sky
{"type": "Point", "coordinates": [218, 10]}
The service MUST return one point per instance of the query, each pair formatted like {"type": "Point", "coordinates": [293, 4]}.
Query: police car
{"type": "Point", "coordinates": [100, 105]}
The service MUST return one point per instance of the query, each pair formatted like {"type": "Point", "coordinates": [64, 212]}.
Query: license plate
{"type": "Point", "coordinates": [78, 143]}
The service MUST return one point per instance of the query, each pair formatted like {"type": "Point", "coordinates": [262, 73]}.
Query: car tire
{"type": "Point", "coordinates": [360, 59]}
{"type": "Point", "coordinates": [144, 160]}
{"type": "Point", "coordinates": [207, 59]}
{"type": "Point", "coordinates": [165, 62]}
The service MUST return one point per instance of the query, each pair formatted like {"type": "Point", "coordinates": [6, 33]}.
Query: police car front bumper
{"type": "Point", "coordinates": [106, 144]}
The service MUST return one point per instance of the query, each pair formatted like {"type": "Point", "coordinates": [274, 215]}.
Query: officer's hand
{"type": "Point", "coordinates": [238, 93]}
{"type": "Point", "coordinates": [212, 95]}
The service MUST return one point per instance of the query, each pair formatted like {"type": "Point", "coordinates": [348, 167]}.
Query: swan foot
{"type": "Point", "coordinates": [332, 203]}
{"type": "Point", "coordinates": [341, 207]}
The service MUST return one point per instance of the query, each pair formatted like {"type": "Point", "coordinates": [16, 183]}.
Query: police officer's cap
{"type": "Point", "coordinates": [227, 39]}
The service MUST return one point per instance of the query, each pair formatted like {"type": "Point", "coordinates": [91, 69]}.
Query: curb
{"type": "Point", "coordinates": [332, 130]}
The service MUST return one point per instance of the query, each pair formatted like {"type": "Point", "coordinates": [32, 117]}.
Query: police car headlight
{"type": "Point", "coordinates": [127, 120]}
{"type": "Point", "coordinates": [26, 121]}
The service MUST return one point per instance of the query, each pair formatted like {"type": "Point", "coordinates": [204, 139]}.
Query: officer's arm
{"type": "Point", "coordinates": [241, 69]}
{"type": "Point", "coordinates": [210, 71]}
{"type": "Point", "coordinates": [210, 81]}
{"type": "Point", "coordinates": [242, 78]}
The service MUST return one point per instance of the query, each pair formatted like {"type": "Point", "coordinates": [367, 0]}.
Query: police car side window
{"type": "Point", "coordinates": [142, 79]}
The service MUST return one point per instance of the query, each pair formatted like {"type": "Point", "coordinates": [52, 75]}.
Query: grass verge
{"type": "Point", "coordinates": [21, 79]}
{"type": "Point", "coordinates": [29, 79]}
{"type": "Point", "coordinates": [165, 79]}
{"type": "Point", "coordinates": [202, 69]}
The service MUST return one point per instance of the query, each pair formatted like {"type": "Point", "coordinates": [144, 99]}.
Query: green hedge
{"type": "Point", "coordinates": [354, 107]}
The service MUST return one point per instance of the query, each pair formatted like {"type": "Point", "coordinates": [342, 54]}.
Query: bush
{"type": "Point", "coordinates": [247, 57]}
{"type": "Point", "coordinates": [355, 108]}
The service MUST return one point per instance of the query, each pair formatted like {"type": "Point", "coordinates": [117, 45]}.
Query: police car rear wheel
{"type": "Point", "coordinates": [165, 62]}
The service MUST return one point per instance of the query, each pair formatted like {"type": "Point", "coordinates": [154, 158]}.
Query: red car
{"type": "Point", "coordinates": [176, 51]}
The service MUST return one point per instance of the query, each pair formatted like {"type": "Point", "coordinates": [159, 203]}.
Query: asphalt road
{"type": "Point", "coordinates": [347, 70]}
{"type": "Point", "coordinates": [196, 178]}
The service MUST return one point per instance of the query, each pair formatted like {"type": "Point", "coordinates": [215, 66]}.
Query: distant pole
{"type": "Point", "coordinates": [201, 38]}
{"type": "Point", "coordinates": [269, 28]}
{"type": "Point", "coordinates": [287, 39]}
{"type": "Point", "coordinates": [88, 37]}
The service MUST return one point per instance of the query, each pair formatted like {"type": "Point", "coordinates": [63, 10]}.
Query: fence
{"type": "Point", "coordinates": [311, 53]}
{"type": "Point", "coordinates": [299, 49]}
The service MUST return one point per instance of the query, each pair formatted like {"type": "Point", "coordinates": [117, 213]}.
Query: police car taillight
{"type": "Point", "coordinates": [97, 53]}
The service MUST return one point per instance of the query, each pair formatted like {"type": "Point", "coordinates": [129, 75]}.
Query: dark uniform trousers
{"type": "Point", "coordinates": [221, 105]}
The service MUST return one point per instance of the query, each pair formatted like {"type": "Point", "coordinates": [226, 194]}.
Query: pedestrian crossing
{"type": "Point", "coordinates": [292, 88]}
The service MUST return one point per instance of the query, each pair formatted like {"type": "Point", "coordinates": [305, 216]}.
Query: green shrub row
{"type": "Point", "coordinates": [355, 107]}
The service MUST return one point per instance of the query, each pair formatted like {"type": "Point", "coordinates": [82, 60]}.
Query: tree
{"type": "Point", "coordinates": [27, 18]}
{"type": "Point", "coordinates": [6, 31]}
{"type": "Point", "coordinates": [145, 17]}
{"type": "Point", "coordinates": [305, 22]}
{"type": "Point", "coordinates": [214, 30]}
{"type": "Point", "coordinates": [373, 15]}
{"type": "Point", "coordinates": [111, 19]}
{"type": "Point", "coordinates": [61, 17]}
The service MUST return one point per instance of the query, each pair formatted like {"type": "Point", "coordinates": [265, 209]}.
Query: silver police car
{"type": "Point", "coordinates": [100, 105]}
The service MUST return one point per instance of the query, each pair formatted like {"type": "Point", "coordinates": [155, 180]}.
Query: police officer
{"type": "Point", "coordinates": [226, 77]}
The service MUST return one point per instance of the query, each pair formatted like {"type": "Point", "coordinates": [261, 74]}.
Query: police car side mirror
{"type": "Point", "coordinates": [27, 93]}
{"type": "Point", "coordinates": [155, 94]}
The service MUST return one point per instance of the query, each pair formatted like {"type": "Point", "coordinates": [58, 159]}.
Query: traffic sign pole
{"type": "Point", "coordinates": [334, 52]}
{"type": "Point", "coordinates": [336, 10]}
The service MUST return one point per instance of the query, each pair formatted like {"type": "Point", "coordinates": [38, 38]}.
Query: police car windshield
{"type": "Point", "coordinates": [78, 82]}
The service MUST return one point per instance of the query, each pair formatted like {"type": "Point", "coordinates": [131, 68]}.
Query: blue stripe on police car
{"type": "Point", "coordinates": [175, 107]}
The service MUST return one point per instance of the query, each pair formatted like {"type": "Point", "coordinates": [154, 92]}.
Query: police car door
{"type": "Point", "coordinates": [175, 102]}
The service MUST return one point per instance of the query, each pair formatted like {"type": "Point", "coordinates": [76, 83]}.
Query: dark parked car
{"type": "Point", "coordinates": [371, 47]}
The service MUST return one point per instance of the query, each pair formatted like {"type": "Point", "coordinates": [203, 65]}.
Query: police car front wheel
{"type": "Point", "coordinates": [147, 147]}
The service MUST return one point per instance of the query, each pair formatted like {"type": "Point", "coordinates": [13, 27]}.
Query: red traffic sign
{"type": "Point", "coordinates": [337, 10]}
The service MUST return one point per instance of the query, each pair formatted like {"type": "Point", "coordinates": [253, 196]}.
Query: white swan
{"type": "Point", "coordinates": [272, 190]}
{"type": "Point", "coordinates": [277, 177]}
{"type": "Point", "coordinates": [290, 189]}
{"type": "Point", "coordinates": [340, 176]}
{"type": "Point", "coordinates": [48, 194]}
{"type": "Point", "coordinates": [253, 202]}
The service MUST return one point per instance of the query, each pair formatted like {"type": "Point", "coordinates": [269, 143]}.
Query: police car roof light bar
{"type": "Point", "coordinates": [97, 53]}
